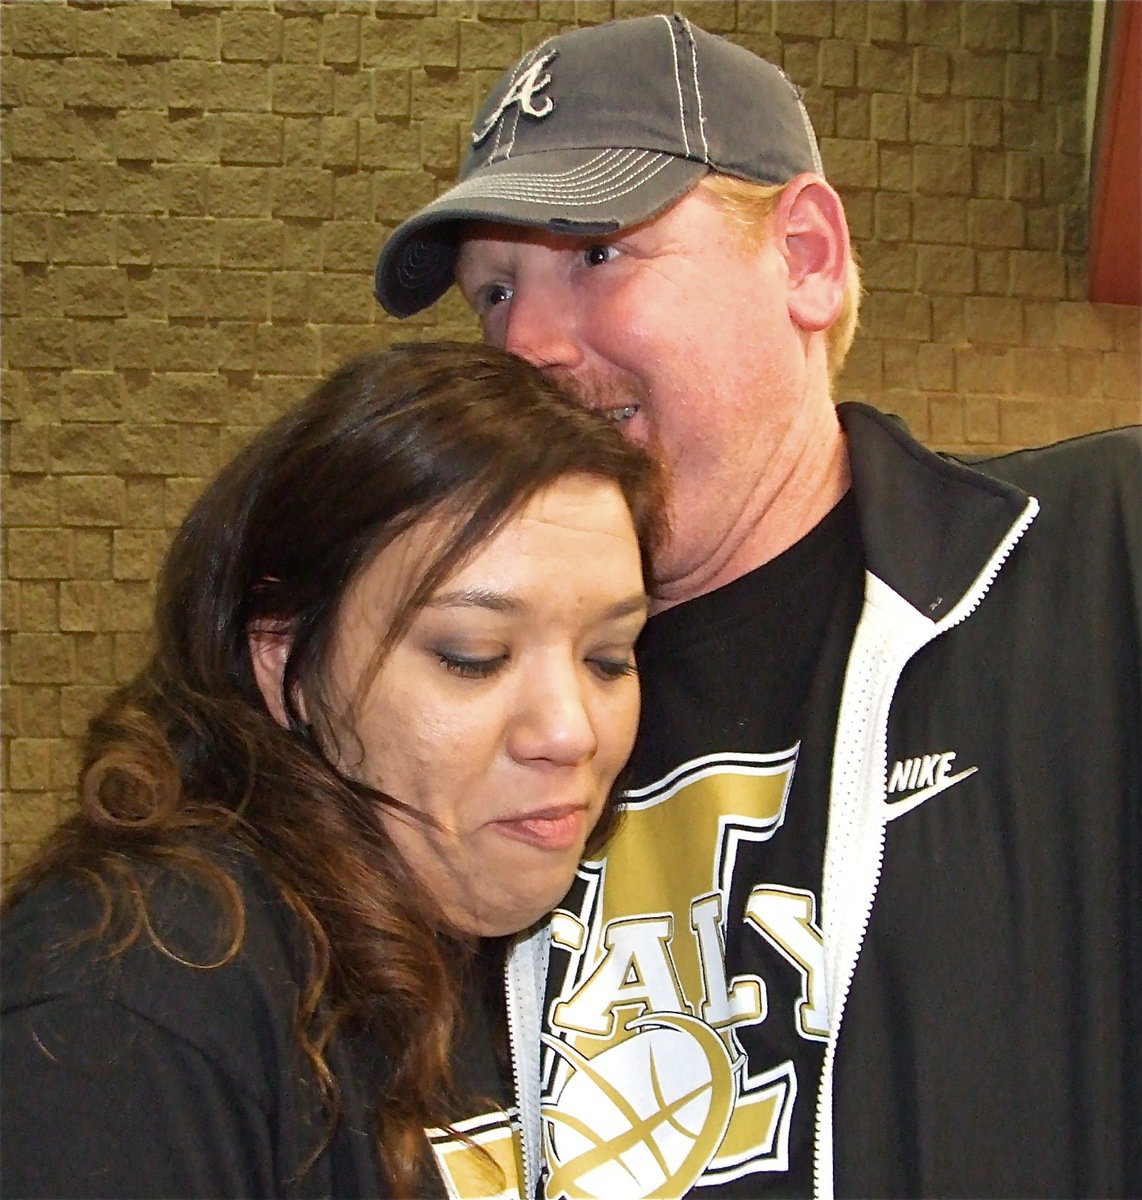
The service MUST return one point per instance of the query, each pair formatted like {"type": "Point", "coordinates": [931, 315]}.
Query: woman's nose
{"type": "Point", "coordinates": [553, 722]}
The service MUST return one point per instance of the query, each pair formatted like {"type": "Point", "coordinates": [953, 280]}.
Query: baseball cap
{"type": "Point", "coordinates": [598, 129]}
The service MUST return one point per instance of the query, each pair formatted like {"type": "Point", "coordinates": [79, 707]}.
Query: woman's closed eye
{"type": "Point", "coordinates": [610, 667]}
{"type": "Point", "coordinates": [471, 666]}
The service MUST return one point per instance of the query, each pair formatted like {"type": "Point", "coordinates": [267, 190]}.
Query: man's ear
{"type": "Point", "coordinates": [813, 236]}
{"type": "Point", "coordinates": [270, 644]}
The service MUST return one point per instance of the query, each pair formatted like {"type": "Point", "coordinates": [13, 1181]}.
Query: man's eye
{"type": "Point", "coordinates": [496, 293]}
{"type": "Point", "coordinates": [595, 256]}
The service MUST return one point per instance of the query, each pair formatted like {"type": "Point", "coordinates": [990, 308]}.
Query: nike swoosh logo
{"type": "Point", "coordinates": [897, 808]}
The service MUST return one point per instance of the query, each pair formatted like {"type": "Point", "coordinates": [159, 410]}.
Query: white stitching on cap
{"type": "Point", "coordinates": [586, 189]}
{"type": "Point", "coordinates": [606, 162]}
{"type": "Point", "coordinates": [633, 168]}
{"type": "Point", "coordinates": [499, 130]}
{"type": "Point", "coordinates": [634, 182]}
{"type": "Point", "coordinates": [697, 90]}
{"type": "Point", "coordinates": [809, 133]}
{"type": "Point", "coordinates": [814, 149]}
{"type": "Point", "coordinates": [677, 83]}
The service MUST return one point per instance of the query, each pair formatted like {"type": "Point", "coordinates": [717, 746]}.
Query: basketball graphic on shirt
{"type": "Point", "coordinates": [649, 1089]}
{"type": "Point", "coordinates": [655, 1133]}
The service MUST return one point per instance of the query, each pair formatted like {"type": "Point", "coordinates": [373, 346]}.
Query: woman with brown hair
{"type": "Point", "coordinates": [278, 949]}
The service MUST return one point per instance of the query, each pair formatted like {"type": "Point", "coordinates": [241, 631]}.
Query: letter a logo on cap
{"type": "Point", "coordinates": [522, 93]}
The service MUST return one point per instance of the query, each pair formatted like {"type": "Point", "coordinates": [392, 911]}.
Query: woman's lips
{"type": "Point", "coordinates": [551, 829]}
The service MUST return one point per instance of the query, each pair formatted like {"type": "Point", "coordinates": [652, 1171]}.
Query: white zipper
{"type": "Point", "coordinates": [525, 978]}
{"type": "Point", "coordinates": [897, 612]}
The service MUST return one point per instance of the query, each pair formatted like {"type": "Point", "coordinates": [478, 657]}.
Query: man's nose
{"type": "Point", "coordinates": [542, 329]}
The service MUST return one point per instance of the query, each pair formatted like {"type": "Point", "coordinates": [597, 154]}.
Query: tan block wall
{"type": "Point", "coordinates": [193, 195]}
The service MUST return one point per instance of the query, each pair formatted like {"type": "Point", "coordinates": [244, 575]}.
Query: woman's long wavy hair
{"type": "Point", "coordinates": [187, 755]}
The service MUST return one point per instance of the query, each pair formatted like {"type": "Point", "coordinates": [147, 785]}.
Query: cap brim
{"type": "Point", "coordinates": [565, 191]}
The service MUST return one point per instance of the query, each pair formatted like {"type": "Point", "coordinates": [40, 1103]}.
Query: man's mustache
{"type": "Point", "coordinates": [600, 395]}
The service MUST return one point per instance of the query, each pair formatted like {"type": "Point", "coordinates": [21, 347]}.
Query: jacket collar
{"type": "Point", "coordinates": [929, 524]}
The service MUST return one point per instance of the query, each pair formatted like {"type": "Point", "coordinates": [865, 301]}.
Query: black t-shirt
{"type": "Point", "coordinates": [686, 1006]}
{"type": "Point", "coordinates": [142, 1074]}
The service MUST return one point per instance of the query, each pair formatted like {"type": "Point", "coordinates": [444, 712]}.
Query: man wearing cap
{"type": "Point", "coordinates": [873, 923]}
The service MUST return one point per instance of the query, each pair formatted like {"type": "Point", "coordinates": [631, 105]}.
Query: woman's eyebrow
{"type": "Point", "coordinates": [638, 604]}
{"type": "Point", "coordinates": [502, 602]}
{"type": "Point", "coordinates": [476, 598]}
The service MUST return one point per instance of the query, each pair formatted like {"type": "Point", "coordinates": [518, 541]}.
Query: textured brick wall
{"type": "Point", "coordinates": [193, 195]}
